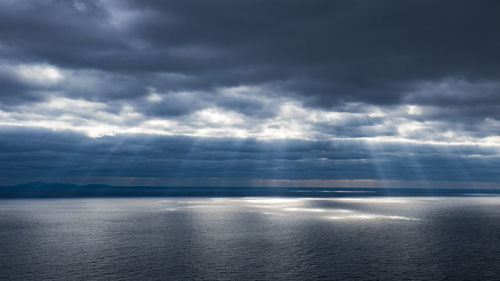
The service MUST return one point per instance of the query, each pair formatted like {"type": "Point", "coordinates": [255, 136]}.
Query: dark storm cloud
{"type": "Point", "coordinates": [357, 126]}
{"type": "Point", "coordinates": [414, 70]}
{"type": "Point", "coordinates": [63, 154]}
{"type": "Point", "coordinates": [331, 51]}
{"type": "Point", "coordinates": [14, 92]}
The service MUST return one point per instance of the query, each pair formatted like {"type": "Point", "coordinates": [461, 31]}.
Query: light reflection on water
{"type": "Point", "coordinates": [374, 200]}
{"type": "Point", "coordinates": [387, 238]}
{"type": "Point", "coordinates": [287, 206]}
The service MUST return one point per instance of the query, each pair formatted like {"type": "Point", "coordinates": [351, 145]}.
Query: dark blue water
{"type": "Point", "coordinates": [372, 238]}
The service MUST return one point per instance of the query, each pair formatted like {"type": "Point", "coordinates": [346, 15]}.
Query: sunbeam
{"type": "Point", "coordinates": [249, 140]}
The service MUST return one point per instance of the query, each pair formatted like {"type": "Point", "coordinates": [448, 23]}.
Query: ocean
{"type": "Point", "coordinates": [251, 238]}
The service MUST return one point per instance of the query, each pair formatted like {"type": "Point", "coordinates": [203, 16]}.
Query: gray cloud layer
{"type": "Point", "coordinates": [59, 155]}
{"type": "Point", "coordinates": [374, 52]}
{"type": "Point", "coordinates": [325, 72]}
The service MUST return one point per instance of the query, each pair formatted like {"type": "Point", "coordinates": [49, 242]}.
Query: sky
{"type": "Point", "coordinates": [251, 93]}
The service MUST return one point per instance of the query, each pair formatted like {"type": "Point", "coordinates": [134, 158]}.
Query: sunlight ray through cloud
{"type": "Point", "coordinates": [383, 126]}
{"type": "Point", "coordinates": [237, 140]}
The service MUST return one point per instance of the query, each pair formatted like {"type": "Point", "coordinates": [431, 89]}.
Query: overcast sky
{"type": "Point", "coordinates": [297, 93]}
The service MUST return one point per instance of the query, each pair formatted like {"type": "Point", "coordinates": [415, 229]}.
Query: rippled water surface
{"type": "Point", "coordinates": [373, 238]}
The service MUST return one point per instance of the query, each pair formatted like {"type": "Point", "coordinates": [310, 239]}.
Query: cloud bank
{"type": "Point", "coordinates": [253, 90]}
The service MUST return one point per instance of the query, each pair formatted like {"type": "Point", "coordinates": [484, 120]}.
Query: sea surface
{"type": "Point", "coordinates": [251, 238]}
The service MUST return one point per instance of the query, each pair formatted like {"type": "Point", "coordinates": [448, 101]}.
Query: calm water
{"type": "Point", "coordinates": [380, 238]}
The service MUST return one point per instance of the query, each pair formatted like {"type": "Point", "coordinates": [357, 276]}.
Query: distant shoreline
{"type": "Point", "coordinates": [56, 190]}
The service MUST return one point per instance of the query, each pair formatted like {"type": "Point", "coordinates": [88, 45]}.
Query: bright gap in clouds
{"type": "Point", "coordinates": [62, 100]}
{"type": "Point", "coordinates": [289, 120]}
{"type": "Point", "coordinates": [38, 74]}
{"type": "Point", "coordinates": [324, 103]}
